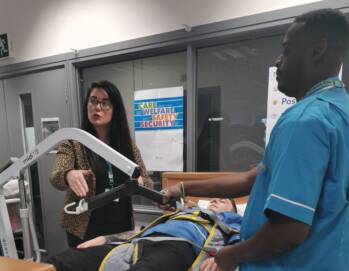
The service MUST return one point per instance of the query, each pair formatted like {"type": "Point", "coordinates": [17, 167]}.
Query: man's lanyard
{"type": "Point", "coordinates": [333, 82]}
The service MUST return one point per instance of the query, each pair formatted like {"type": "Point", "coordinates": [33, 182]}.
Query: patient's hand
{"type": "Point", "coordinates": [209, 265]}
{"type": "Point", "coordinates": [100, 240]}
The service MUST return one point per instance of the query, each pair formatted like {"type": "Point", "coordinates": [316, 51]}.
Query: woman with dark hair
{"type": "Point", "coordinates": [84, 174]}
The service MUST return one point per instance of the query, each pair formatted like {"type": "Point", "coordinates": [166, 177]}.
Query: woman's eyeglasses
{"type": "Point", "coordinates": [105, 104]}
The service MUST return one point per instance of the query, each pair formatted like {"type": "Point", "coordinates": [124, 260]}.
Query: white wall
{"type": "Point", "coordinates": [40, 28]}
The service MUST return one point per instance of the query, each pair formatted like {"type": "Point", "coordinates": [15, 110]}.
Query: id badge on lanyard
{"type": "Point", "coordinates": [111, 180]}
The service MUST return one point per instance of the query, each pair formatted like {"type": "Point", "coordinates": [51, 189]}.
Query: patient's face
{"type": "Point", "coordinates": [220, 205]}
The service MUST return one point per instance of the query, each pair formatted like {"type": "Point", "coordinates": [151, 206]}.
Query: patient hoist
{"type": "Point", "coordinates": [129, 188]}
{"type": "Point", "coordinates": [16, 167]}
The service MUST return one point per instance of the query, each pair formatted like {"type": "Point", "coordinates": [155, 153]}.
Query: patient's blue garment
{"type": "Point", "coordinates": [194, 232]}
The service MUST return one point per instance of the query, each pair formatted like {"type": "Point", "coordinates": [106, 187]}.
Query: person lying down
{"type": "Point", "coordinates": [174, 242]}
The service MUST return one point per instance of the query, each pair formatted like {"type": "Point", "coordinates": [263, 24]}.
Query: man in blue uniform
{"type": "Point", "coordinates": [297, 216]}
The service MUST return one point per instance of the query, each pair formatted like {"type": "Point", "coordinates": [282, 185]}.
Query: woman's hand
{"type": "Point", "coordinates": [76, 179]}
{"type": "Point", "coordinates": [100, 240]}
{"type": "Point", "coordinates": [140, 181]}
{"type": "Point", "coordinates": [208, 265]}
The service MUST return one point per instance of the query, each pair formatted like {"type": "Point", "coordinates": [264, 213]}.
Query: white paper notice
{"type": "Point", "coordinates": [277, 103]}
{"type": "Point", "coordinates": [158, 115]}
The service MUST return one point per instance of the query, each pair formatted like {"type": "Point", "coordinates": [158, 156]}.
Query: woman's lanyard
{"type": "Point", "coordinates": [111, 179]}
{"type": "Point", "coordinates": [110, 176]}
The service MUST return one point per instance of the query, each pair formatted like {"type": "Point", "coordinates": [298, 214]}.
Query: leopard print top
{"type": "Point", "coordinates": [72, 155]}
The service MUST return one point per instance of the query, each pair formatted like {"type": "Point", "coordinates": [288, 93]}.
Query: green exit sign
{"type": "Point", "coordinates": [4, 46]}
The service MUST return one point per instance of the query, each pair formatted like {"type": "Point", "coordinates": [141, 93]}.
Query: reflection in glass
{"type": "Point", "coordinates": [232, 85]}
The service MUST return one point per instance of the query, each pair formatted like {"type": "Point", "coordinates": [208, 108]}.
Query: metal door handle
{"type": "Point", "coordinates": [216, 119]}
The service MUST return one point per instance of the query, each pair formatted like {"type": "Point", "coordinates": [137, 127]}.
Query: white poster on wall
{"type": "Point", "coordinates": [277, 102]}
{"type": "Point", "coordinates": [158, 121]}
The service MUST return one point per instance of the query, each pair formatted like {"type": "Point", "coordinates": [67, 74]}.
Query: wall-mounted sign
{"type": "Point", "coordinates": [49, 126]}
{"type": "Point", "coordinates": [277, 103]}
{"type": "Point", "coordinates": [4, 46]}
{"type": "Point", "coordinates": [158, 121]}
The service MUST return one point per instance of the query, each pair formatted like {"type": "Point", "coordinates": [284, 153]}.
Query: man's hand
{"type": "Point", "coordinates": [100, 240]}
{"type": "Point", "coordinates": [208, 265]}
{"type": "Point", "coordinates": [173, 191]}
{"type": "Point", "coordinates": [77, 182]}
{"type": "Point", "coordinates": [225, 259]}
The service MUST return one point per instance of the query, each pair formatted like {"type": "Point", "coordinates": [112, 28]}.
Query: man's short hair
{"type": "Point", "coordinates": [326, 23]}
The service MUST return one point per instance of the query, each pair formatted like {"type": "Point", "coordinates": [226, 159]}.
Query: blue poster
{"type": "Point", "coordinates": [159, 114]}
{"type": "Point", "coordinates": [158, 122]}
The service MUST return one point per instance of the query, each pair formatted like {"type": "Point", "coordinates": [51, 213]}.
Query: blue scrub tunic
{"type": "Point", "coordinates": [304, 175]}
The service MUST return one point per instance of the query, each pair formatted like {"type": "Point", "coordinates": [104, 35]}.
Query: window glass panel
{"type": "Point", "coordinates": [232, 86]}
{"type": "Point", "coordinates": [147, 73]}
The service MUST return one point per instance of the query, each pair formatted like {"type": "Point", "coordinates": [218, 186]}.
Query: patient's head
{"type": "Point", "coordinates": [221, 205]}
